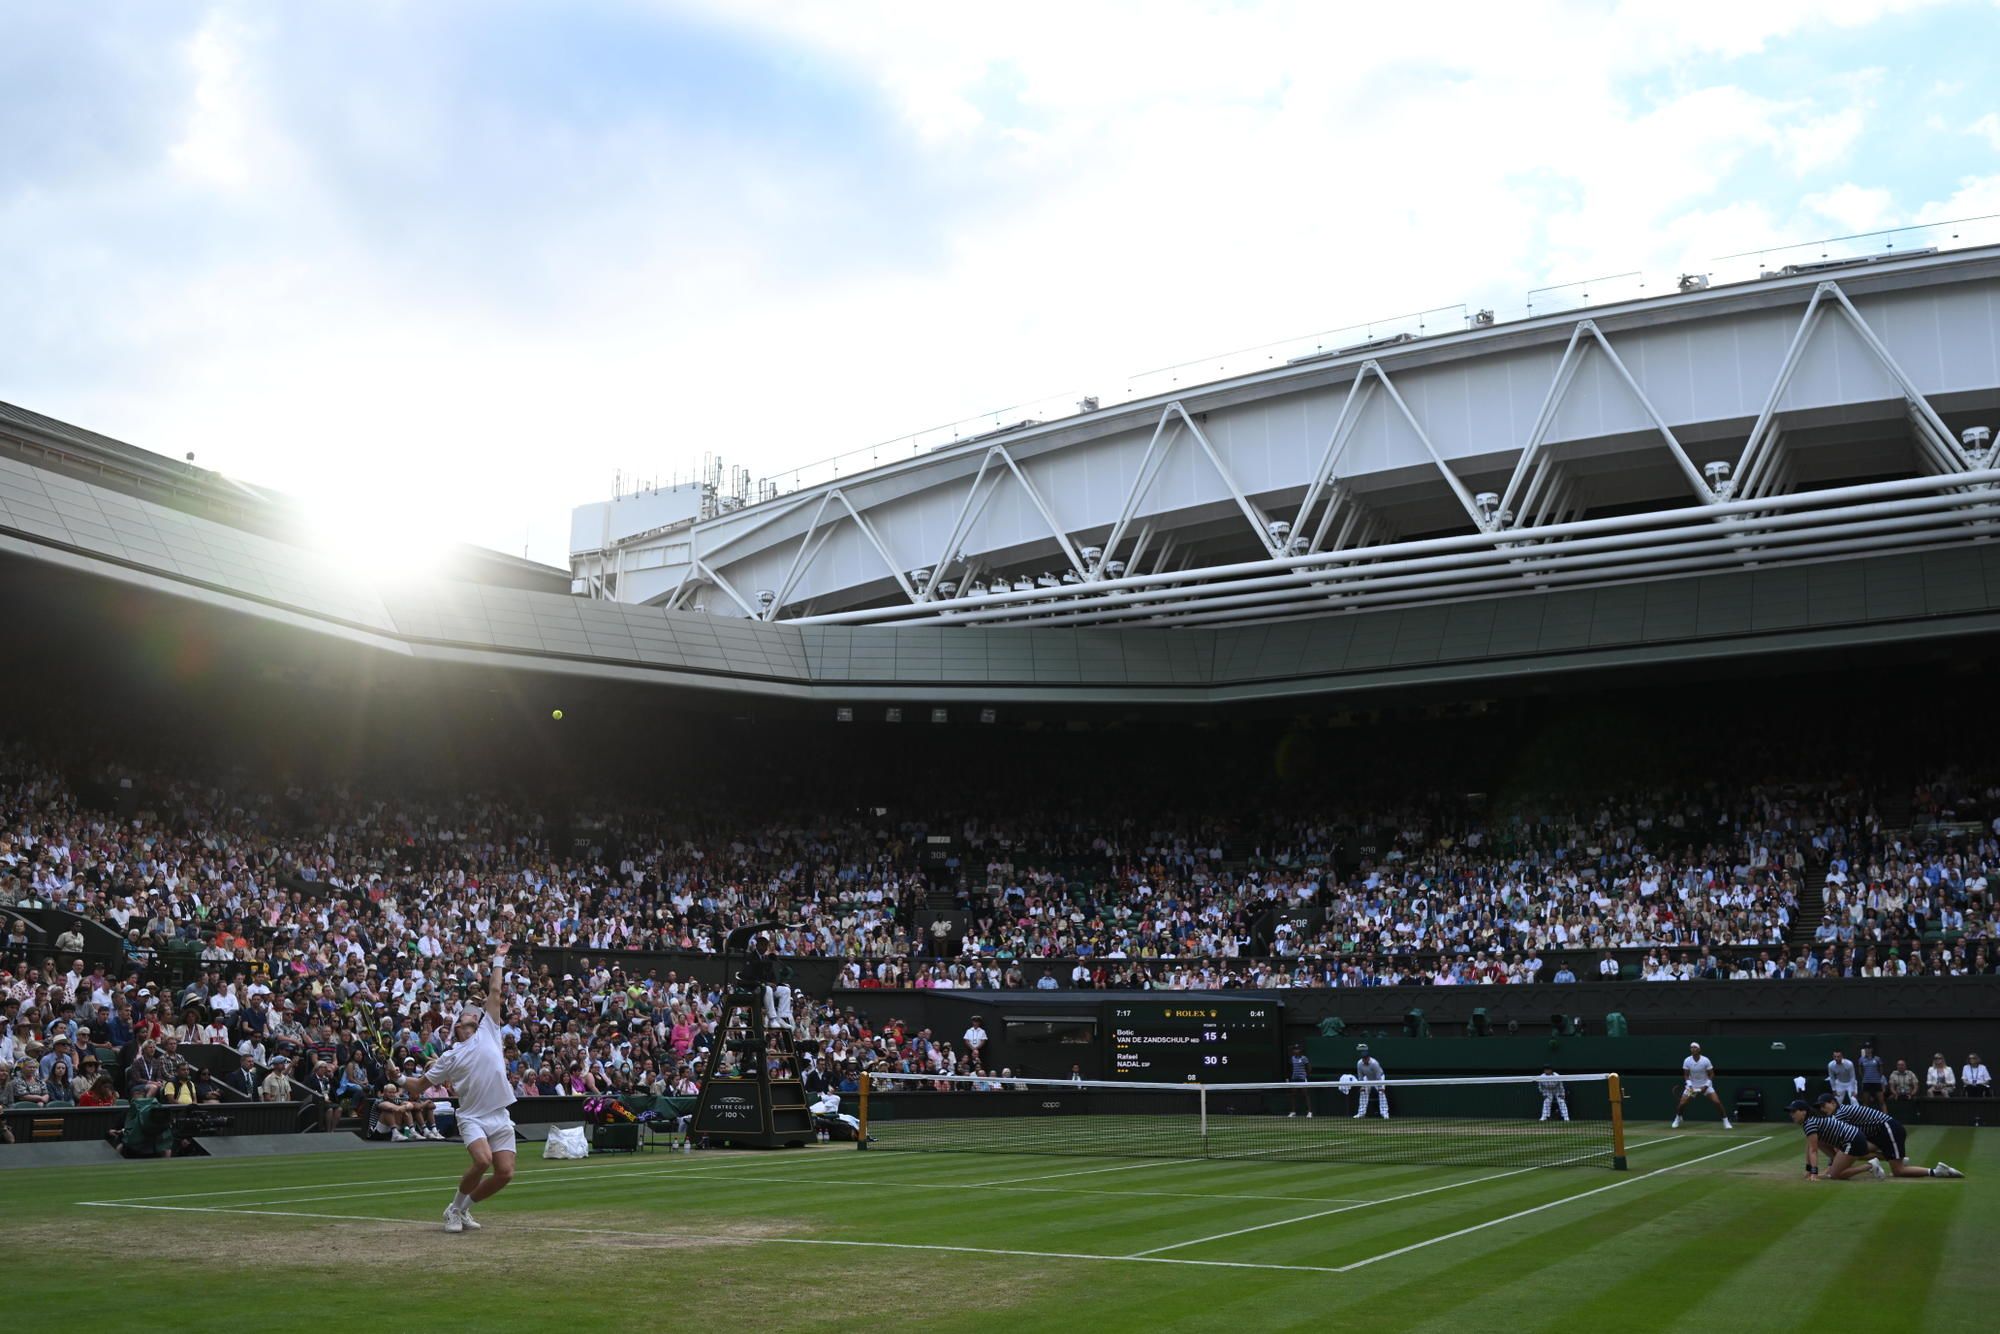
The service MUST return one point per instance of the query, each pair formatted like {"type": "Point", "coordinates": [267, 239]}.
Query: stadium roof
{"type": "Point", "coordinates": [51, 518]}
{"type": "Point", "coordinates": [177, 484]}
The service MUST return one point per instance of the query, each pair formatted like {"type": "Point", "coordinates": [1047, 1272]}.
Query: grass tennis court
{"type": "Point", "coordinates": [1709, 1228]}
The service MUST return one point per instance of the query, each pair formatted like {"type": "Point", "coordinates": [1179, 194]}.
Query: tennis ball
{"type": "Point", "coordinates": [557, 715]}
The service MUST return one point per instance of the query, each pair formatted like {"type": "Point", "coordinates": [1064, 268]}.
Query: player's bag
{"type": "Point", "coordinates": [566, 1142]}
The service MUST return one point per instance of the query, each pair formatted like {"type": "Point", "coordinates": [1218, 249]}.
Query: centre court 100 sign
{"type": "Point", "coordinates": [1193, 1042]}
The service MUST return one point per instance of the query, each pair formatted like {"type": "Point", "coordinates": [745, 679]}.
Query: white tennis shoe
{"type": "Point", "coordinates": [454, 1221]}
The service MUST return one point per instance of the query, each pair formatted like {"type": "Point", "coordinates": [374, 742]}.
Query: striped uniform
{"type": "Point", "coordinates": [1884, 1131]}
{"type": "Point", "coordinates": [1836, 1135]}
{"type": "Point", "coordinates": [1555, 1095]}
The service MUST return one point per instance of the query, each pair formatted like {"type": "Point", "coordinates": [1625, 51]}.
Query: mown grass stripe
{"type": "Point", "coordinates": [1505, 1219]}
{"type": "Point", "coordinates": [1342, 1238]}
{"type": "Point", "coordinates": [1514, 1272]}
{"type": "Point", "coordinates": [1726, 1232]}
{"type": "Point", "coordinates": [1903, 1248]}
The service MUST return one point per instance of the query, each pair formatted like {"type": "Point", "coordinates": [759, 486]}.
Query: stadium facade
{"type": "Point", "coordinates": [1793, 463]}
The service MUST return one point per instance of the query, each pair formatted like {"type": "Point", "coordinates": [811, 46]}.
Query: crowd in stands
{"type": "Point", "coordinates": [334, 934]}
{"type": "Point", "coordinates": [322, 884]}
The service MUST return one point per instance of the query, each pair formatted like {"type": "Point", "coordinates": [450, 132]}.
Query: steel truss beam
{"type": "Point", "coordinates": [974, 507]}
{"type": "Point", "coordinates": [1166, 434]}
{"type": "Point", "coordinates": [1582, 339]}
{"type": "Point", "coordinates": [1813, 523]}
{"type": "Point", "coordinates": [812, 541]}
{"type": "Point", "coordinates": [1540, 497]}
{"type": "Point", "coordinates": [1754, 474]}
{"type": "Point", "coordinates": [1325, 478]}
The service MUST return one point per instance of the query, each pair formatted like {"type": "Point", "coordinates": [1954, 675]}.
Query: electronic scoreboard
{"type": "Point", "coordinates": [1193, 1041]}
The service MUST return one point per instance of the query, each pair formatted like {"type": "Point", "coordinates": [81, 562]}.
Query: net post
{"type": "Point", "coordinates": [861, 1131]}
{"type": "Point", "coordinates": [1616, 1093]}
{"type": "Point", "coordinates": [1201, 1097]}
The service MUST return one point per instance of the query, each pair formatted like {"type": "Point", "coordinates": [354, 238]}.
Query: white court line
{"type": "Point", "coordinates": [755, 1241]}
{"type": "Point", "coordinates": [1567, 1199]}
{"type": "Point", "coordinates": [750, 1158]}
{"type": "Point", "coordinates": [1157, 1162]}
{"type": "Point", "coordinates": [1092, 1171]}
{"type": "Point", "coordinates": [337, 1190]}
{"type": "Point", "coordinates": [1235, 1157]}
{"type": "Point", "coordinates": [1063, 1190]}
{"type": "Point", "coordinates": [1392, 1199]}
{"type": "Point", "coordinates": [1344, 1209]}
{"type": "Point", "coordinates": [733, 1241]}
{"type": "Point", "coordinates": [607, 1174]}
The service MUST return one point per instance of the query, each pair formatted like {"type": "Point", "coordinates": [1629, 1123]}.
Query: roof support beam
{"type": "Point", "coordinates": [1582, 339]}
{"type": "Point", "coordinates": [1935, 444]}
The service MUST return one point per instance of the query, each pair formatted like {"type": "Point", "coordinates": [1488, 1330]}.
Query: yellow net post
{"type": "Point", "coordinates": [861, 1135]}
{"type": "Point", "coordinates": [1613, 1090]}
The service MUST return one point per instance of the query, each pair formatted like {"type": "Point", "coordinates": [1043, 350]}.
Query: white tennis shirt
{"type": "Point", "coordinates": [476, 1069]}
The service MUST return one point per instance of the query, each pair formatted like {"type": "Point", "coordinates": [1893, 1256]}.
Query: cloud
{"type": "Point", "coordinates": [1974, 197]}
{"type": "Point", "coordinates": [1854, 208]}
{"type": "Point", "coordinates": [215, 149]}
{"type": "Point", "coordinates": [1987, 127]}
{"type": "Point", "coordinates": [468, 259]}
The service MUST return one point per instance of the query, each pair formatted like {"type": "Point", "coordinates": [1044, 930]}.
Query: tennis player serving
{"type": "Point", "coordinates": [475, 1066]}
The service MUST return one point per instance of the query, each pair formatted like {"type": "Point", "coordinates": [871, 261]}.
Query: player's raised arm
{"type": "Point", "coordinates": [496, 986]}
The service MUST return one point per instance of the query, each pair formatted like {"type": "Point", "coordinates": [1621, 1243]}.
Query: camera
{"type": "Point", "coordinates": [192, 1121]}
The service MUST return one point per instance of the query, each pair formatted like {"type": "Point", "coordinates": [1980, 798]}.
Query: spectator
{"type": "Point", "coordinates": [975, 1043]}
{"type": "Point", "coordinates": [392, 1116]}
{"type": "Point", "coordinates": [277, 1086]}
{"type": "Point", "coordinates": [1939, 1080]}
{"type": "Point", "coordinates": [146, 1071]}
{"type": "Point", "coordinates": [179, 1086]}
{"type": "Point", "coordinates": [27, 1088]}
{"type": "Point", "coordinates": [1563, 974]}
{"type": "Point", "coordinates": [59, 1051]}
{"type": "Point", "coordinates": [320, 1087]}
{"type": "Point", "coordinates": [1903, 1083]}
{"type": "Point", "coordinates": [58, 1087]}
{"type": "Point", "coordinates": [242, 1081]}
{"type": "Point", "coordinates": [1974, 1079]}
{"type": "Point", "coordinates": [87, 1075]}
{"type": "Point", "coordinates": [99, 1094]}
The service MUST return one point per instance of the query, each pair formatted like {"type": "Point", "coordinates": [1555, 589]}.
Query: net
{"type": "Point", "coordinates": [1486, 1122]}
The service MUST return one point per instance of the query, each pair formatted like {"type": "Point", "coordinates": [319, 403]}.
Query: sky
{"type": "Point", "coordinates": [442, 269]}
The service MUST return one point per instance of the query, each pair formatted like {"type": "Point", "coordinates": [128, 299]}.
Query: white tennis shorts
{"type": "Point", "coordinates": [497, 1129]}
{"type": "Point", "coordinates": [1693, 1087]}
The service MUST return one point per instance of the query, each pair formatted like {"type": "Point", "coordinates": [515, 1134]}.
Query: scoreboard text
{"type": "Point", "coordinates": [1193, 1042]}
